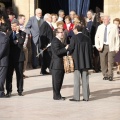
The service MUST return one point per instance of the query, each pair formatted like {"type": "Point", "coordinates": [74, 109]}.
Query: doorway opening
{"type": "Point", "coordinates": [96, 3]}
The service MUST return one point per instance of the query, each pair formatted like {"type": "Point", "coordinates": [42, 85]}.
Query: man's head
{"type": "Point", "coordinates": [11, 16]}
{"type": "Point", "coordinates": [61, 13]}
{"type": "Point", "coordinates": [48, 17]}
{"type": "Point", "coordinates": [77, 28]}
{"type": "Point", "coordinates": [14, 24]}
{"type": "Point", "coordinates": [38, 12]}
{"type": "Point", "coordinates": [21, 19]}
{"type": "Point", "coordinates": [90, 14]}
{"type": "Point", "coordinates": [72, 14]}
{"type": "Point", "coordinates": [4, 28]}
{"type": "Point", "coordinates": [106, 20]}
{"type": "Point", "coordinates": [59, 33]}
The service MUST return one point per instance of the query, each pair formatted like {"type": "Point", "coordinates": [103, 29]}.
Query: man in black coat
{"type": "Point", "coordinates": [57, 66]}
{"type": "Point", "coordinates": [46, 36]}
{"type": "Point", "coordinates": [16, 58]}
{"type": "Point", "coordinates": [80, 47]}
{"type": "Point", "coordinates": [4, 52]}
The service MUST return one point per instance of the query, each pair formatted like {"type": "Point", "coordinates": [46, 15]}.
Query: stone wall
{"type": "Point", "coordinates": [26, 7]}
{"type": "Point", "coordinates": [112, 8]}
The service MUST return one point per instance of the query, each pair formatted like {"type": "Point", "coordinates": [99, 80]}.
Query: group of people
{"type": "Point", "coordinates": [91, 41]}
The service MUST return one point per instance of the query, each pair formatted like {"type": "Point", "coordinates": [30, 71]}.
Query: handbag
{"type": "Point", "coordinates": [68, 64]}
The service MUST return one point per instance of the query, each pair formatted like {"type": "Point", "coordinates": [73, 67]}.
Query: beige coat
{"type": "Point", "coordinates": [113, 37]}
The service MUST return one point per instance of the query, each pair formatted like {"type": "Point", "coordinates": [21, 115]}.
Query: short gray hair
{"type": "Point", "coordinates": [60, 11]}
{"type": "Point", "coordinates": [46, 16]}
{"type": "Point", "coordinates": [15, 21]}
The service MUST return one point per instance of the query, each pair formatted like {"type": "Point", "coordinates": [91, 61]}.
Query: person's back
{"type": "Point", "coordinates": [82, 51]}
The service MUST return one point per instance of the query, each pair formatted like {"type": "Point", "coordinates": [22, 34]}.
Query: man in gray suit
{"type": "Point", "coordinates": [4, 53]}
{"type": "Point", "coordinates": [80, 47]}
{"type": "Point", "coordinates": [33, 29]}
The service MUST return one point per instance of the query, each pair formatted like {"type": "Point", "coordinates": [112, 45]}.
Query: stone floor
{"type": "Point", "coordinates": [37, 102]}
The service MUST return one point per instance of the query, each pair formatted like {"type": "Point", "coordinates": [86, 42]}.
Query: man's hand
{"type": "Point", "coordinates": [18, 28]}
{"type": "Point", "coordinates": [66, 47]}
{"type": "Point", "coordinates": [99, 49]}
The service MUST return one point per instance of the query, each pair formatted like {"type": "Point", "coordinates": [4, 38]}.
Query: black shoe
{"type": "Point", "coordinates": [74, 100]}
{"type": "Point", "coordinates": [105, 78]}
{"type": "Point", "coordinates": [85, 100]}
{"type": "Point", "coordinates": [44, 73]}
{"type": "Point", "coordinates": [2, 95]}
{"type": "Point", "coordinates": [20, 94]}
{"type": "Point", "coordinates": [62, 98]}
{"type": "Point", "coordinates": [8, 94]}
{"type": "Point", "coordinates": [110, 78]}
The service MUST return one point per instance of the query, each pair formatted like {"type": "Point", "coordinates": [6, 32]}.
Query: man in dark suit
{"type": "Point", "coordinates": [80, 47]}
{"type": "Point", "coordinates": [33, 29]}
{"type": "Point", "coordinates": [16, 58]}
{"type": "Point", "coordinates": [58, 51]}
{"type": "Point", "coordinates": [4, 52]}
{"type": "Point", "coordinates": [46, 36]}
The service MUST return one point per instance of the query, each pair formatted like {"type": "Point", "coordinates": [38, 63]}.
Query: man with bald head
{"type": "Point", "coordinates": [46, 36]}
{"type": "Point", "coordinates": [107, 43]}
{"type": "Point", "coordinates": [33, 29]}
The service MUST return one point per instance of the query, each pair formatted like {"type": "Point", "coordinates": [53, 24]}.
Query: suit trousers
{"type": "Point", "coordinates": [18, 66]}
{"type": "Point", "coordinates": [45, 60]}
{"type": "Point", "coordinates": [57, 80]}
{"type": "Point", "coordinates": [35, 60]}
{"type": "Point", "coordinates": [26, 58]}
{"type": "Point", "coordinates": [107, 61]}
{"type": "Point", "coordinates": [85, 84]}
{"type": "Point", "coordinates": [3, 71]}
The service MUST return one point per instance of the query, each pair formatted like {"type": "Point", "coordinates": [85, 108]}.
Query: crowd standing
{"type": "Point", "coordinates": [92, 41]}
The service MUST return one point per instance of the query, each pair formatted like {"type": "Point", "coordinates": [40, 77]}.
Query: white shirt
{"type": "Point", "coordinates": [60, 19]}
{"type": "Point", "coordinates": [49, 23]}
{"type": "Point", "coordinates": [37, 18]}
{"type": "Point", "coordinates": [68, 26]}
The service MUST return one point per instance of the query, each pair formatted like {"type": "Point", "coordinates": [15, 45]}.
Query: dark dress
{"type": "Point", "coordinates": [117, 56]}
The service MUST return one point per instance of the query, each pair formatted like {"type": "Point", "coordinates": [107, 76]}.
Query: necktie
{"type": "Point", "coordinates": [14, 35]}
{"type": "Point", "coordinates": [52, 27]}
{"type": "Point", "coordinates": [105, 34]}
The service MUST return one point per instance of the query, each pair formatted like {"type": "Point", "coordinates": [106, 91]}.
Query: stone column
{"type": "Point", "coordinates": [26, 7]}
{"type": "Point", "coordinates": [112, 8]}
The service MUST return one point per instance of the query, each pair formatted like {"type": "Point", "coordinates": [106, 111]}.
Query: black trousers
{"type": "Point", "coordinates": [57, 80]}
{"type": "Point", "coordinates": [18, 67]}
{"type": "Point", "coordinates": [3, 71]}
{"type": "Point", "coordinates": [45, 60]}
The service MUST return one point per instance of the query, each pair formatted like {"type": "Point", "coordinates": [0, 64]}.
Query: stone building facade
{"type": "Point", "coordinates": [111, 7]}
{"type": "Point", "coordinates": [27, 7]}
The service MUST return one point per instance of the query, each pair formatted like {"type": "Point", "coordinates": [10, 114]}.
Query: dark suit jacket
{"type": "Point", "coordinates": [80, 47]}
{"type": "Point", "coordinates": [4, 49]}
{"type": "Point", "coordinates": [58, 51]}
{"type": "Point", "coordinates": [46, 35]}
{"type": "Point", "coordinates": [16, 49]}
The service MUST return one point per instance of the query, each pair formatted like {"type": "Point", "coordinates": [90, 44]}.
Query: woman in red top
{"type": "Point", "coordinates": [68, 25]}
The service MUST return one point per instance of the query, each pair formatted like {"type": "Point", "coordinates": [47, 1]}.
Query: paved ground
{"type": "Point", "coordinates": [37, 102]}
